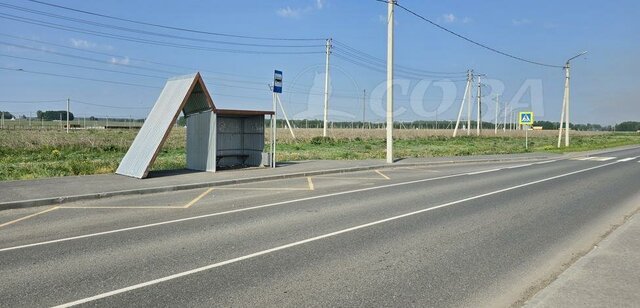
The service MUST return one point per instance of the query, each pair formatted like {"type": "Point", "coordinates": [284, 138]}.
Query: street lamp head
{"type": "Point", "coordinates": [578, 55]}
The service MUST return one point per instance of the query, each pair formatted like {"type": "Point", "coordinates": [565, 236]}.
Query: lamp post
{"type": "Point", "coordinates": [565, 104]}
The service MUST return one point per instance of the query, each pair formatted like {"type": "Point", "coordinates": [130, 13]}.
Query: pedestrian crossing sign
{"type": "Point", "coordinates": [525, 118]}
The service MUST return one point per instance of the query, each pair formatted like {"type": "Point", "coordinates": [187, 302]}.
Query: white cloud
{"type": "Point", "coordinates": [466, 20]}
{"type": "Point", "coordinates": [520, 22]}
{"type": "Point", "coordinates": [448, 17]}
{"type": "Point", "coordinates": [288, 12]}
{"type": "Point", "coordinates": [78, 43]}
{"type": "Point", "coordinates": [121, 61]}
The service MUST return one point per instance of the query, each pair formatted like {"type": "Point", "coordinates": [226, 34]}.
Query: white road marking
{"type": "Point", "coordinates": [483, 171]}
{"type": "Point", "coordinates": [243, 210]}
{"type": "Point", "coordinates": [519, 166]}
{"type": "Point", "coordinates": [627, 159]}
{"type": "Point", "coordinates": [313, 239]}
{"type": "Point", "coordinates": [603, 158]}
{"type": "Point", "coordinates": [545, 162]}
{"type": "Point", "coordinates": [227, 212]}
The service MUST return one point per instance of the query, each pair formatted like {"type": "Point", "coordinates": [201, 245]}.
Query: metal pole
{"type": "Point", "coordinates": [284, 113]}
{"type": "Point", "coordinates": [364, 106]}
{"type": "Point", "coordinates": [464, 98]}
{"type": "Point", "coordinates": [526, 137]}
{"type": "Point", "coordinates": [274, 121]}
{"type": "Point", "coordinates": [497, 107]}
{"type": "Point", "coordinates": [326, 87]}
{"type": "Point", "coordinates": [68, 115]}
{"type": "Point", "coordinates": [390, 7]}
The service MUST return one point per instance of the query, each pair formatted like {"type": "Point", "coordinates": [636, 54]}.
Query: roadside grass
{"type": "Point", "coordinates": [31, 154]}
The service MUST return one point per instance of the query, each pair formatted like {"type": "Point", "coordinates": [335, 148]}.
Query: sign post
{"type": "Point", "coordinates": [525, 119]}
{"type": "Point", "coordinates": [277, 88]}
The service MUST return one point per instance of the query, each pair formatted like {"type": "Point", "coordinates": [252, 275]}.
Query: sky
{"type": "Point", "coordinates": [116, 68]}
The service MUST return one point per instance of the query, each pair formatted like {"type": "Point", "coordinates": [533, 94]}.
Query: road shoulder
{"type": "Point", "coordinates": [607, 276]}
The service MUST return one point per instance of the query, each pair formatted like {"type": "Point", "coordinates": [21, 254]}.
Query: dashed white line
{"type": "Point", "coordinates": [312, 239]}
{"type": "Point", "coordinates": [628, 159]}
{"type": "Point", "coordinates": [483, 171]}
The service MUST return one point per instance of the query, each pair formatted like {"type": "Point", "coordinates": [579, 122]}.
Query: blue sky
{"type": "Point", "coordinates": [546, 31]}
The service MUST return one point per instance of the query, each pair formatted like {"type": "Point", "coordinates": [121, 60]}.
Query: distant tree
{"type": "Point", "coordinates": [7, 115]}
{"type": "Point", "coordinates": [57, 115]}
{"type": "Point", "coordinates": [39, 114]}
{"type": "Point", "coordinates": [92, 118]}
{"type": "Point", "coordinates": [629, 126]}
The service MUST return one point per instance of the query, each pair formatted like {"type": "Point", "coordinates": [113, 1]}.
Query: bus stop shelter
{"type": "Point", "coordinates": [216, 138]}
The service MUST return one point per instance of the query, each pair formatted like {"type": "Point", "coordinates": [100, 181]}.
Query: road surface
{"type": "Point", "coordinates": [474, 234]}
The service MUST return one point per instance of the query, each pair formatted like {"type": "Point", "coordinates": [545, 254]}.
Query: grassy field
{"type": "Point", "coordinates": [28, 154]}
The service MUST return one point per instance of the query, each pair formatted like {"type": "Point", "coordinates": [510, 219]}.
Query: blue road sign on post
{"type": "Point", "coordinates": [525, 118]}
{"type": "Point", "coordinates": [277, 81]}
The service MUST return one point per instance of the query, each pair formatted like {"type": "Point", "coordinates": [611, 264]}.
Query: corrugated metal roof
{"type": "Point", "coordinates": [184, 93]}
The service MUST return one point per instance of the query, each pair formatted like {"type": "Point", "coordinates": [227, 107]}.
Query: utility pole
{"type": "Point", "coordinates": [2, 121]}
{"type": "Point", "coordinates": [497, 111]}
{"type": "Point", "coordinates": [390, 7]}
{"type": "Point", "coordinates": [67, 115]}
{"type": "Point", "coordinates": [479, 114]}
{"type": "Point", "coordinates": [326, 87]}
{"type": "Point", "coordinates": [470, 77]}
{"type": "Point", "coordinates": [504, 123]}
{"type": "Point", "coordinates": [565, 104]}
{"type": "Point", "coordinates": [465, 97]}
{"type": "Point", "coordinates": [364, 106]}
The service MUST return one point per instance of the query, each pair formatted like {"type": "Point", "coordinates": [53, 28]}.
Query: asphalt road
{"type": "Point", "coordinates": [489, 234]}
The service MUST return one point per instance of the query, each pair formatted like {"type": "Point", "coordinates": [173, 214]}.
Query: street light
{"type": "Point", "coordinates": [565, 104]}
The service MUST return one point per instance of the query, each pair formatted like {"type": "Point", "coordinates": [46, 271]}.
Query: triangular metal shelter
{"type": "Point", "coordinates": [187, 94]}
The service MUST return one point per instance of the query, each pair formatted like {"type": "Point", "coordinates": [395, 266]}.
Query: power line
{"type": "Point", "coordinates": [472, 41]}
{"type": "Point", "coordinates": [81, 66]}
{"type": "Point", "coordinates": [34, 102]}
{"type": "Point", "coordinates": [376, 59]}
{"type": "Point", "coordinates": [178, 28]}
{"type": "Point", "coordinates": [165, 35]}
{"type": "Point", "coordinates": [146, 41]}
{"type": "Point", "coordinates": [131, 58]}
{"type": "Point", "coordinates": [77, 77]}
{"type": "Point", "coordinates": [108, 106]}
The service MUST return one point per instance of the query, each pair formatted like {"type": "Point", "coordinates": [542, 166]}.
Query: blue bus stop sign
{"type": "Point", "coordinates": [277, 81]}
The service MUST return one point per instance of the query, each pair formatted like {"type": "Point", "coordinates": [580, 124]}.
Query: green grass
{"type": "Point", "coordinates": [30, 154]}
{"type": "Point", "coordinates": [437, 146]}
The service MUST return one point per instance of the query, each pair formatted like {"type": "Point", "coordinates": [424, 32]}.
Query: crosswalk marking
{"type": "Point", "coordinates": [628, 159]}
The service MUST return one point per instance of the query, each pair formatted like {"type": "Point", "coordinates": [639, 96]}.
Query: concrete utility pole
{"type": "Point", "coordinates": [364, 106]}
{"type": "Point", "coordinates": [68, 115]}
{"type": "Point", "coordinates": [470, 80]}
{"type": "Point", "coordinates": [326, 87]}
{"type": "Point", "coordinates": [504, 123]}
{"type": "Point", "coordinates": [390, 7]}
{"type": "Point", "coordinates": [464, 100]}
{"type": "Point", "coordinates": [479, 114]}
{"type": "Point", "coordinates": [565, 104]}
{"type": "Point", "coordinates": [497, 112]}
